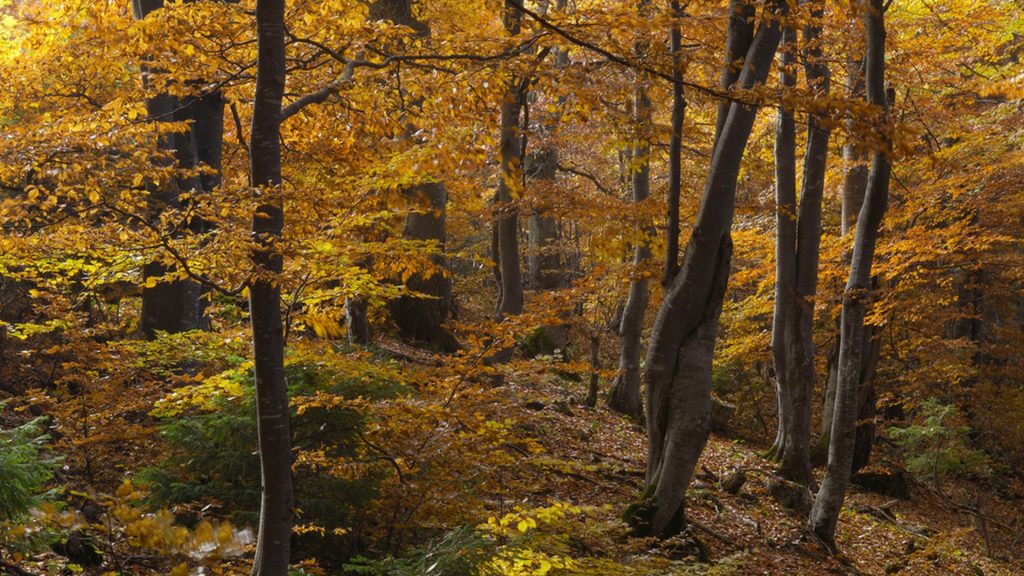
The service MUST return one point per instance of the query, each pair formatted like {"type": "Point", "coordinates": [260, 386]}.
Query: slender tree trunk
{"type": "Point", "coordinates": [738, 36]}
{"type": "Point", "coordinates": [855, 180]}
{"type": "Point", "coordinates": [624, 396]}
{"type": "Point", "coordinates": [825, 512]}
{"type": "Point", "coordinates": [678, 369]}
{"type": "Point", "coordinates": [273, 545]}
{"type": "Point", "coordinates": [509, 189]}
{"type": "Point", "coordinates": [785, 254]}
{"type": "Point", "coordinates": [797, 281]}
{"type": "Point", "coordinates": [675, 153]}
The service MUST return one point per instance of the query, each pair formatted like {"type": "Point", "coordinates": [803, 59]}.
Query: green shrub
{"type": "Point", "coordinates": [215, 458]}
{"type": "Point", "coordinates": [937, 448]}
{"type": "Point", "coordinates": [25, 467]}
{"type": "Point", "coordinates": [460, 552]}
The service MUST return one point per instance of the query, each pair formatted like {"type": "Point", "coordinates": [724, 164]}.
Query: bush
{"type": "Point", "coordinates": [25, 467]}
{"type": "Point", "coordinates": [936, 448]}
{"type": "Point", "coordinates": [215, 458]}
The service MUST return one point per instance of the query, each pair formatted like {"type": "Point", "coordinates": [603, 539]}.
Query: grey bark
{"type": "Point", "coordinates": [738, 36]}
{"type": "Point", "coordinates": [675, 153]}
{"type": "Point", "coordinates": [825, 513]}
{"type": "Point", "coordinates": [273, 544]}
{"type": "Point", "coordinates": [678, 368]}
{"type": "Point", "coordinates": [509, 184]}
{"type": "Point", "coordinates": [624, 395]}
{"type": "Point", "coordinates": [797, 253]}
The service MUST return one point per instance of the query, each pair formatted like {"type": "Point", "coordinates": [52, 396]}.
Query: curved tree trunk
{"type": "Point", "coordinates": [273, 545]}
{"type": "Point", "coordinates": [678, 371]}
{"type": "Point", "coordinates": [825, 512]}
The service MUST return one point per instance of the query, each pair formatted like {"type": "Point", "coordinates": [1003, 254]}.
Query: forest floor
{"type": "Point", "coordinates": [937, 530]}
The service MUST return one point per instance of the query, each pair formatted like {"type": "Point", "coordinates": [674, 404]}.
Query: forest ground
{"type": "Point", "coordinates": [932, 532]}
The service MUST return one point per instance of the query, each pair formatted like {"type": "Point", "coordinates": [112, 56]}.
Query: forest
{"type": "Point", "coordinates": [511, 287]}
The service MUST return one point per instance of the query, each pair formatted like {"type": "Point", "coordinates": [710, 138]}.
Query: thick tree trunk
{"type": "Point", "coordinates": [825, 512]}
{"type": "Point", "coordinates": [624, 396]}
{"type": "Point", "coordinates": [170, 306]}
{"type": "Point", "coordinates": [418, 318]}
{"type": "Point", "coordinates": [675, 152]}
{"type": "Point", "coordinates": [797, 273]}
{"type": "Point", "coordinates": [678, 370]}
{"type": "Point", "coordinates": [545, 267]}
{"type": "Point", "coordinates": [273, 545]}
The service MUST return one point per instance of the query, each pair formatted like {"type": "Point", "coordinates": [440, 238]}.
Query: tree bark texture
{"type": "Point", "coordinates": [677, 375]}
{"type": "Point", "coordinates": [825, 512]}
{"type": "Point", "coordinates": [797, 254]}
{"type": "Point", "coordinates": [169, 306]}
{"type": "Point", "coordinates": [675, 150]}
{"type": "Point", "coordinates": [509, 188]}
{"type": "Point", "coordinates": [422, 318]}
{"type": "Point", "coordinates": [273, 544]}
{"type": "Point", "coordinates": [419, 318]}
{"type": "Point", "coordinates": [624, 396]}
{"type": "Point", "coordinates": [738, 36]}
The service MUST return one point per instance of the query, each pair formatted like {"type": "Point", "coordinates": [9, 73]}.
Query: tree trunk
{"type": "Point", "coordinates": [273, 545]}
{"type": "Point", "coordinates": [855, 180]}
{"type": "Point", "coordinates": [169, 306]}
{"type": "Point", "coordinates": [797, 271]}
{"type": "Point", "coordinates": [738, 36]}
{"type": "Point", "coordinates": [825, 513]}
{"type": "Point", "coordinates": [545, 268]}
{"type": "Point", "coordinates": [419, 318]}
{"type": "Point", "coordinates": [624, 395]}
{"type": "Point", "coordinates": [508, 192]}
{"type": "Point", "coordinates": [678, 369]}
{"type": "Point", "coordinates": [675, 153]}
{"type": "Point", "coordinates": [787, 380]}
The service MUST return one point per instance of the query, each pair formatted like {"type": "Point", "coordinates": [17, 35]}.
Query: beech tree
{"type": "Point", "coordinates": [273, 543]}
{"type": "Point", "coordinates": [173, 304]}
{"type": "Point", "coordinates": [825, 513]}
{"type": "Point", "coordinates": [677, 375]}
{"type": "Point", "coordinates": [798, 243]}
{"type": "Point", "coordinates": [624, 394]}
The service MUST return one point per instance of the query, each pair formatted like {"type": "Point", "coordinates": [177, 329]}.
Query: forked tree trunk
{"type": "Point", "coordinates": [797, 252]}
{"type": "Point", "coordinates": [678, 370]}
{"type": "Point", "coordinates": [825, 512]}
{"type": "Point", "coordinates": [273, 545]}
{"type": "Point", "coordinates": [624, 395]}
